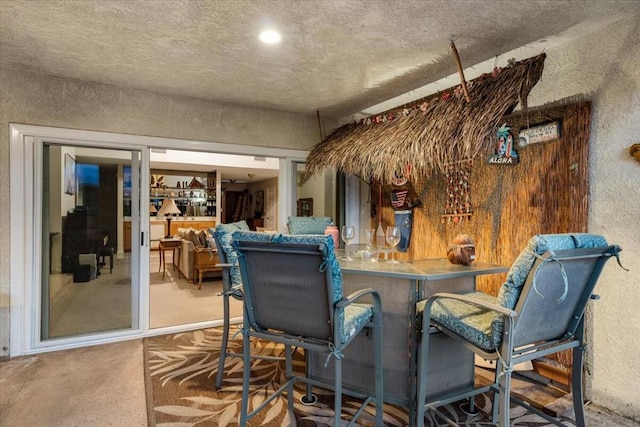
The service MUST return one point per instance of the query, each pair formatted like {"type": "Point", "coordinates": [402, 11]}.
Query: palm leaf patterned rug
{"type": "Point", "coordinates": [180, 371]}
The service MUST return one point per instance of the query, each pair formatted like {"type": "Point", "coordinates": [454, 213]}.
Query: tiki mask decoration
{"type": "Point", "coordinates": [462, 250]}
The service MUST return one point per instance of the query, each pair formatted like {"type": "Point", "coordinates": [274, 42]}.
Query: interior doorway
{"type": "Point", "coordinates": [235, 206]}
{"type": "Point", "coordinates": [197, 190]}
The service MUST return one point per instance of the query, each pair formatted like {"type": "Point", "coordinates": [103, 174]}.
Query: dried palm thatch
{"type": "Point", "coordinates": [429, 133]}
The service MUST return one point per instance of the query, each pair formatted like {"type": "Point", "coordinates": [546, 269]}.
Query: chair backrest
{"type": "Point", "coordinates": [291, 283]}
{"type": "Point", "coordinates": [222, 236]}
{"type": "Point", "coordinates": [308, 224]}
{"type": "Point", "coordinates": [550, 284]}
{"type": "Point", "coordinates": [222, 258]}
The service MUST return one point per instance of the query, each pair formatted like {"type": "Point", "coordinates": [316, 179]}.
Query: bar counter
{"type": "Point", "coordinates": [400, 287]}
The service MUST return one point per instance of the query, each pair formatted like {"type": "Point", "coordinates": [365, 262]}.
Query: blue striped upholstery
{"type": "Point", "coordinates": [484, 328]}
{"type": "Point", "coordinates": [355, 316]}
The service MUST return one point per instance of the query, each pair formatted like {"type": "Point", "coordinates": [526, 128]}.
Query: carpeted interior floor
{"type": "Point", "coordinates": [180, 372]}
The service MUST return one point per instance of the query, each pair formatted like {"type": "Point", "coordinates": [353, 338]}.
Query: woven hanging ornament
{"type": "Point", "coordinates": [458, 204]}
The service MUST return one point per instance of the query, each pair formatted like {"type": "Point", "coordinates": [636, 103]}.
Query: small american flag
{"type": "Point", "coordinates": [398, 198]}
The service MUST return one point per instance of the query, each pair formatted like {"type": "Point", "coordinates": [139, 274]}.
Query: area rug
{"type": "Point", "coordinates": [180, 371]}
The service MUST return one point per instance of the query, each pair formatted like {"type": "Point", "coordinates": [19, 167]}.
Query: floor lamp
{"type": "Point", "coordinates": [167, 209]}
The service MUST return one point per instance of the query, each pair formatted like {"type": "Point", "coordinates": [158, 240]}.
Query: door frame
{"type": "Point", "coordinates": [24, 190]}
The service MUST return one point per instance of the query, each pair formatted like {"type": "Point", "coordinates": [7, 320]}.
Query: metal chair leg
{"type": "Point", "coordinates": [289, 375]}
{"type": "Point", "coordinates": [379, 371]}
{"type": "Point", "coordinates": [496, 396]}
{"type": "Point", "coordinates": [246, 358]}
{"type": "Point", "coordinates": [225, 340]}
{"type": "Point", "coordinates": [337, 400]}
{"type": "Point", "coordinates": [423, 360]}
{"type": "Point", "coordinates": [505, 396]}
{"type": "Point", "coordinates": [577, 387]}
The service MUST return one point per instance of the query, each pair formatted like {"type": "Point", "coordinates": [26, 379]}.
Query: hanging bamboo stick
{"type": "Point", "coordinates": [460, 71]}
{"type": "Point", "coordinates": [319, 125]}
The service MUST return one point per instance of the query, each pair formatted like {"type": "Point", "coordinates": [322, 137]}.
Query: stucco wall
{"type": "Point", "coordinates": [52, 101]}
{"type": "Point", "coordinates": [605, 68]}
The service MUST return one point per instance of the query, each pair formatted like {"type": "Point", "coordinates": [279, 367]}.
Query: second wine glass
{"type": "Point", "coordinates": [348, 234]}
{"type": "Point", "coordinates": [393, 238]}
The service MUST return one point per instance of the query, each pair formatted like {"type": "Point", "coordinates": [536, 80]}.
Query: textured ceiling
{"type": "Point", "coordinates": [338, 57]}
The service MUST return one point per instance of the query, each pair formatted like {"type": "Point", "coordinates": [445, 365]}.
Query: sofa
{"type": "Point", "coordinates": [192, 239]}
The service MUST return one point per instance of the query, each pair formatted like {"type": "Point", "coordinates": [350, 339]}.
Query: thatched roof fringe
{"type": "Point", "coordinates": [434, 131]}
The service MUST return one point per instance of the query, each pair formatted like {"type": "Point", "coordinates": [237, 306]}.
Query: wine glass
{"type": "Point", "coordinates": [393, 238]}
{"type": "Point", "coordinates": [371, 234]}
{"type": "Point", "coordinates": [370, 251]}
{"type": "Point", "coordinates": [348, 234]}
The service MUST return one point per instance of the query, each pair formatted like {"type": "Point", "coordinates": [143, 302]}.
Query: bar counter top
{"type": "Point", "coordinates": [424, 269]}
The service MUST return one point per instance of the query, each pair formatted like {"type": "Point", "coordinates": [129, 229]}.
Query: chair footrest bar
{"type": "Point", "coordinates": [360, 410]}
{"type": "Point", "coordinates": [542, 351]}
{"type": "Point", "coordinates": [537, 411]}
{"type": "Point", "coordinates": [434, 410]}
{"type": "Point", "coordinates": [256, 357]}
{"type": "Point", "coordinates": [345, 390]}
{"type": "Point", "coordinates": [367, 399]}
{"type": "Point", "coordinates": [460, 396]}
{"type": "Point", "coordinates": [273, 396]}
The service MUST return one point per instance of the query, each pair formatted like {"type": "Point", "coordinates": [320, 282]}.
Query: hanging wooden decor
{"type": "Point", "coordinates": [400, 178]}
{"type": "Point", "coordinates": [545, 132]}
{"type": "Point", "coordinates": [505, 151]}
{"type": "Point", "coordinates": [458, 203]}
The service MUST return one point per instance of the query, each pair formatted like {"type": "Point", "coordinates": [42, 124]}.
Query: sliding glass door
{"type": "Point", "coordinates": [90, 214]}
{"type": "Point", "coordinates": [81, 233]}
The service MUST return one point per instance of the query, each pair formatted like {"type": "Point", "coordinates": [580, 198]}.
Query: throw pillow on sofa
{"type": "Point", "coordinates": [193, 238]}
{"type": "Point", "coordinates": [203, 237]}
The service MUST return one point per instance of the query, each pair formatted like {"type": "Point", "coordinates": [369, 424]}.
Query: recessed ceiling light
{"type": "Point", "coordinates": [270, 37]}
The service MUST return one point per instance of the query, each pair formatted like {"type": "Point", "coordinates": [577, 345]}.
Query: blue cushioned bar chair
{"type": "Point", "coordinates": [231, 286]}
{"type": "Point", "coordinates": [293, 295]}
{"type": "Point", "coordinates": [539, 311]}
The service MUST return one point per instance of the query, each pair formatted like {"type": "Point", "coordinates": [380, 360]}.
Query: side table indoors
{"type": "Point", "coordinates": [204, 261]}
{"type": "Point", "coordinates": [170, 243]}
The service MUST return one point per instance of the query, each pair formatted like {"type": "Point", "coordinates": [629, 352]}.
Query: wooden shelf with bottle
{"type": "Point", "coordinates": [194, 194]}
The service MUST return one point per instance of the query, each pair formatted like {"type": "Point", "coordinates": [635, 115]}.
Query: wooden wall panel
{"type": "Point", "coordinates": [547, 192]}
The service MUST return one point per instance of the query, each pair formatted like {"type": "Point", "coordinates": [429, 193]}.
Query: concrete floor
{"type": "Point", "coordinates": [92, 386]}
{"type": "Point", "coordinates": [104, 386]}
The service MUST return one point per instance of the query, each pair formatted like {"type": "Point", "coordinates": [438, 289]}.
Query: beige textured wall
{"type": "Point", "coordinates": [51, 101]}
{"type": "Point", "coordinates": [605, 67]}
